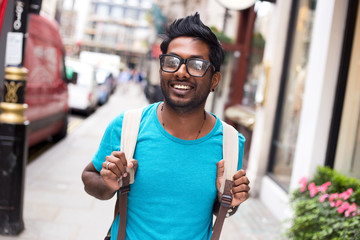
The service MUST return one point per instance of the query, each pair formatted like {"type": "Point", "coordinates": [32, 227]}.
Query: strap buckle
{"type": "Point", "coordinates": [226, 200]}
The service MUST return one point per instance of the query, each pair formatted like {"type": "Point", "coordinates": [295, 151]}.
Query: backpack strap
{"type": "Point", "coordinates": [129, 133]}
{"type": "Point", "coordinates": [231, 156]}
{"type": "Point", "coordinates": [230, 152]}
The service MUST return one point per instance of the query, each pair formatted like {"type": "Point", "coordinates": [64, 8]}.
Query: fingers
{"type": "Point", "coordinates": [239, 174]}
{"type": "Point", "coordinates": [114, 169]}
{"type": "Point", "coordinates": [240, 191]}
{"type": "Point", "coordinates": [116, 163]}
{"type": "Point", "coordinates": [241, 187]}
{"type": "Point", "coordinates": [220, 168]}
{"type": "Point", "coordinates": [219, 175]}
{"type": "Point", "coordinates": [240, 198]}
{"type": "Point", "coordinates": [133, 164]}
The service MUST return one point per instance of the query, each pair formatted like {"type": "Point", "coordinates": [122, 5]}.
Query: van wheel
{"type": "Point", "coordinates": [63, 131]}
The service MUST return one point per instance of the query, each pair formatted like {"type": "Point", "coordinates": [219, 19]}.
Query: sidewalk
{"type": "Point", "coordinates": [56, 206]}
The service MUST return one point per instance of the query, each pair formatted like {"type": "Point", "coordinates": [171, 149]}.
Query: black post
{"type": "Point", "coordinates": [13, 126]}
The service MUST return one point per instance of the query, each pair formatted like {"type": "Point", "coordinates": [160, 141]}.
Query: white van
{"type": "Point", "coordinates": [83, 94]}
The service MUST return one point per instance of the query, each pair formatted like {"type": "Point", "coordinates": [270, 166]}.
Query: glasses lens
{"type": "Point", "coordinates": [197, 67]}
{"type": "Point", "coordinates": [170, 63]}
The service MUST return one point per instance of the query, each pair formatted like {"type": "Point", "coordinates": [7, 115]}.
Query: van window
{"type": "Point", "coordinates": [62, 69]}
{"type": "Point", "coordinates": [85, 75]}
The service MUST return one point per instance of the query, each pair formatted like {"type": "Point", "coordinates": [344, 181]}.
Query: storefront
{"type": "Point", "coordinates": [307, 119]}
{"type": "Point", "coordinates": [346, 157]}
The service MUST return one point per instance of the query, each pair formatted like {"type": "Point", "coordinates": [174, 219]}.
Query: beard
{"type": "Point", "coordinates": [197, 100]}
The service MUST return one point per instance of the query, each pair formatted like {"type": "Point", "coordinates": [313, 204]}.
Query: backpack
{"type": "Point", "coordinates": [129, 133]}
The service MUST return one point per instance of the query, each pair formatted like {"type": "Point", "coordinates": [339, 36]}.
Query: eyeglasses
{"type": "Point", "coordinates": [196, 67]}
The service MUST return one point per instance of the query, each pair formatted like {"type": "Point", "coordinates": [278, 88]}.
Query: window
{"type": "Point", "coordinates": [102, 10]}
{"type": "Point", "coordinates": [347, 158]}
{"type": "Point", "coordinates": [131, 14]}
{"type": "Point", "coordinates": [292, 87]}
{"type": "Point", "coordinates": [117, 13]}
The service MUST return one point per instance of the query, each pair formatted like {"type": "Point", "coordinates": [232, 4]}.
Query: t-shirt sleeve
{"type": "Point", "coordinates": [110, 142]}
{"type": "Point", "coordinates": [241, 151]}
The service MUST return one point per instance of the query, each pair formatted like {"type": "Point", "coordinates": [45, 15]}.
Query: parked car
{"type": "Point", "coordinates": [83, 93]}
{"type": "Point", "coordinates": [46, 88]}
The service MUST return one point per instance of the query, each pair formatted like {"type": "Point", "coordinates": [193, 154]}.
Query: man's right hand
{"type": "Point", "coordinates": [114, 169]}
{"type": "Point", "coordinates": [104, 185]}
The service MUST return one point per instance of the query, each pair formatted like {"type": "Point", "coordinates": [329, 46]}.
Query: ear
{"type": "Point", "coordinates": [215, 80]}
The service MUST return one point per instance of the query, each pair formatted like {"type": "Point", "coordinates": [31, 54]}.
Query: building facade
{"type": "Point", "coordinates": [119, 27]}
{"type": "Point", "coordinates": [311, 114]}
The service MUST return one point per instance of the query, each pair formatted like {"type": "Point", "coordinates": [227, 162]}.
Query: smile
{"type": "Point", "coordinates": [182, 87]}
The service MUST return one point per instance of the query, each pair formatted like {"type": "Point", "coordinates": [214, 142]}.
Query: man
{"type": "Point", "coordinates": [179, 147]}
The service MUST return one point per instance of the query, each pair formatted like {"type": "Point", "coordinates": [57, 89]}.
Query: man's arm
{"type": "Point", "coordinates": [94, 184]}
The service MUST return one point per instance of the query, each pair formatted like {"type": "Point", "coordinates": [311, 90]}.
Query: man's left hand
{"type": "Point", "coordinates": [240, 189]}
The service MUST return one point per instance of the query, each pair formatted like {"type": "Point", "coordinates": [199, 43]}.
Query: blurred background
{"type": "Point", "coordinates": [290, 80]}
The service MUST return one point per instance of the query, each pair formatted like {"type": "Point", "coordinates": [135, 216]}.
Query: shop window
{"type": "Point", "coordinates": [347, 158]}
{"type": "Point", "coordinates": [291, 92]}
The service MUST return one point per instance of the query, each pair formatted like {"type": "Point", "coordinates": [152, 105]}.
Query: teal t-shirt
{"type": "Point", "coordinates": [175, 183]}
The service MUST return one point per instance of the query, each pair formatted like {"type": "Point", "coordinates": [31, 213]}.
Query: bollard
{"type": "Point", "coordinates": [13, 151]}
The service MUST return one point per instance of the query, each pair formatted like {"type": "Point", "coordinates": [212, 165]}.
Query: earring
{"type": "Point", "coordinates": [213, 90]}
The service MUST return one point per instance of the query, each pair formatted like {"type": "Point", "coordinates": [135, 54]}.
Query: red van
{"type": "Point", "coordinates": [46, 90]}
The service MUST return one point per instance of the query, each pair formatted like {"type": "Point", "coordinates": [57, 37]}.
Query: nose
{"type": "Point", "coordinates": [182, 72]}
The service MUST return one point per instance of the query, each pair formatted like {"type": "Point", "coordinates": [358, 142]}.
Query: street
{"type": "Point", "coordinates": [57, 207]}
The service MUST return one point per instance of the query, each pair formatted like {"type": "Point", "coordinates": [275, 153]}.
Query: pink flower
{"type": "Point", "coordinates": [324, 187]}
{"type": "Point", "coordinates": [338, 203]}
{"type": "Point", "coordinates": [303, 181]}
{"type": "Point", "coordinates": [345, 195]}
{"type": "Point", "coordinates": [313, 189]}
{"type": "Point", "coordinates": [352, 208]}
{"type": "Point", "coordinates": [323, 197]}
{"type": "Point", "coordinates": [343, 207]}
{"type": "Point", "coordinates": [332, 204]}
{"type": "Point", "coordinates": [333, 197]}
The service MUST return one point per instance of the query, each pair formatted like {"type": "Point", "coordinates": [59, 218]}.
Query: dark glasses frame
{"type": "Point", "coordinates": [184, 61]}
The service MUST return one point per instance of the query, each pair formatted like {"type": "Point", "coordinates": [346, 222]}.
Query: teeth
{"type": "Point", "coordinates": [183, 87]}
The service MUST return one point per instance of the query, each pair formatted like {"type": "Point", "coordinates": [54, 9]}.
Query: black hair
{"type": "Point", "coordinates": [192, 26]}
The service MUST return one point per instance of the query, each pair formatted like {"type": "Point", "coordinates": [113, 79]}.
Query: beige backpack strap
{"type": "Point", "coordinates": [129, 133]}
{"type": "Point", "coordinates": [231, 156]}
{"type": "Point", "coordinates": [230, 152]}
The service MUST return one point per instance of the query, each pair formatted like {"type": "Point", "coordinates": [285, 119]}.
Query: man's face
{"type": "Point", "coordinates": [182, 91]}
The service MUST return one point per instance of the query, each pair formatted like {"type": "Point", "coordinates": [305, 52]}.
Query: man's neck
{"type": "Point", "coordinates": [189, 125]}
